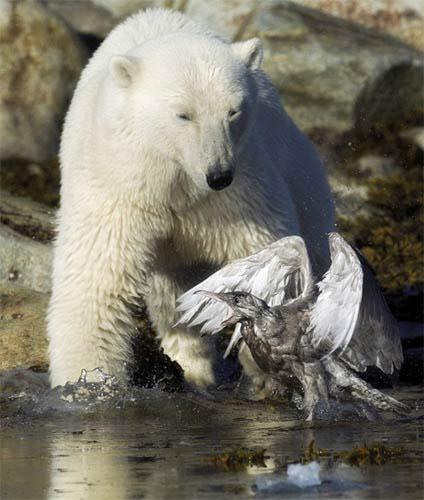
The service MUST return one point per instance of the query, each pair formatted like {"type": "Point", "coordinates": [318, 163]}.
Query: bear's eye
{"type": "Point", "coordinates": [184, 116]}
{"type": "Point", "coordinates": [233, 113]}
{"type": "Point", "coordinates": [236, 301]}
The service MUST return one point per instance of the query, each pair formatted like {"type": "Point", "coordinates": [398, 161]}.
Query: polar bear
{"type": "Point", "coordinates": [176, 157]}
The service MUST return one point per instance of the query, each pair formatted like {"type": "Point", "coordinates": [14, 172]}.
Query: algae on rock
{"type": "Point", "coordinates": [23, 341]}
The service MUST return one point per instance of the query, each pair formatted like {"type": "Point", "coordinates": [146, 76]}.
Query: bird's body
{"type": "Point", "coordinates": [315, 336]}
{"type": "Point", "coordinates": [279, 339]}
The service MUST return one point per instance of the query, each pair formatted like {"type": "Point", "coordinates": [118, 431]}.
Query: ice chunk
{"type": "Point", "coordinates": [299, 477]}
{"type": "Point", "coordinates": [304, 476]}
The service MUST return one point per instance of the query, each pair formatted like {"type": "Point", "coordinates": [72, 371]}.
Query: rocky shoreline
{"type": "Point", "coordinates": [355, 89]}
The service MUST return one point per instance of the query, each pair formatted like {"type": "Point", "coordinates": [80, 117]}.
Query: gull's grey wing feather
{"type": "Point", "coordinates": [351, 316]}
{"type": "Point", "coordinates": [376, 341]}
{"type": "Point", "coordinates": [275, 274]}
{"type": "Point", "coordinates": [336, 310]}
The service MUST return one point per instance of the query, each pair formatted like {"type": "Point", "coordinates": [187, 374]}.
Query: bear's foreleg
{"type": "Point", "coordinates": [195, 354]}
{"type": "Point", "coordinates": [98, 266]}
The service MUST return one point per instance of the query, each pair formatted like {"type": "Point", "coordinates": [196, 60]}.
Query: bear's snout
{"type": "Point", "coordinates": [219, 180]}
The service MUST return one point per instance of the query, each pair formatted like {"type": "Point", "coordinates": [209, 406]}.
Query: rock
{"type": "Point", "coordinates": [24, 261]}
{"type": "Point", "coordinates": [20, 382]}
{"type": "Point", "coordinates": [330, 73]}
{"type": "Point", "coordinates": [375, 165]}
{"type": "Point", "coordinates": [415, 135]}
{"type": "Point", "coordinates": [84, 17]}
{"type": "Point", "coordinates": [39, 181]}
{"type": "Point", "coordinates": [40, 62]}
{"type": "Point", "coordinates": [335, 74]}
{"type": "Point", "coordinates": [123, 8]}
{"type": "Point", "coordinates": [228, 18]}
{"type": "Point", "coordinates": [401, 18]}
{"type": "Point", "coordinates": [27, 217]}
{"type": "Point", "coordinates": [97, 17]}
{"type": "Point", "coordinates": [349, 197]}
{"type": "Point", "coordinates": [26, 231]}
{"type": "Point", "coordinates": [23, 341]}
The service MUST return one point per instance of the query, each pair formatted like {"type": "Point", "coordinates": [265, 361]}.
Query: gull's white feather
{"type": "Point", "coordinates": [190, 309]}
{"type": "Point", "coordinates": [351, 315]}
{"type": "Point", "coordinates": [335, 313]}
{"type": "Point", "coordinates": [271, 274]}
{"type": "Point", "coordinates": [235, 337]}
{"type": "Point", "coordinates": [214, 323]}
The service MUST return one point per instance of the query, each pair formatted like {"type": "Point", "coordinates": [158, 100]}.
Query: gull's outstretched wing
{"type": "Point", "coordinates": [278, 273]}
{"type": "Point", "coordinates": [351, 316]}
{"type": "Point", "coordinates": [376, 340]}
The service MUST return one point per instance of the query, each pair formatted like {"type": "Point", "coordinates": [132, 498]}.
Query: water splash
{"type": "Point", "coordinates": [25, 393]}
{"type": "Point", "coordinates": [93, 387]}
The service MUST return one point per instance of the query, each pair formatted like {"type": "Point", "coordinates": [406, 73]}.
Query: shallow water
{"type": "Point", "coordinates": [151, 444]}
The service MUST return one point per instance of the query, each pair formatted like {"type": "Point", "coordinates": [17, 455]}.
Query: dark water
{"type": "Point", "coordinates": [151, 444]}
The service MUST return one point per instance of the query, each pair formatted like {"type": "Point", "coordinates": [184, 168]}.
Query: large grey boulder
{"type": "Point", "coordinates": [40, 62]}
{"type": "Point", "coordinates": [26, 231]}
{"type": "Point", "coordinates": [229, 18]}
{"type": "Point", "coordinates": [122, 8]}
{"type": "Point", "coordinates": [403, 19]}
{"type": "Point", "coordinates": [330, 73]}
{"type": "Point", "coordinates": [84, 17]}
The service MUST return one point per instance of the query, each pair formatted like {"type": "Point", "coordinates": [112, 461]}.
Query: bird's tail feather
{"type": "Point", "coordinates": [376, 398]}
{"type": "Point", "coordinates": [343, 377]}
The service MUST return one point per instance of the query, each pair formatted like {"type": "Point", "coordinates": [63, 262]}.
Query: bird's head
{"type": "Point", "coordinates": [244, 306]}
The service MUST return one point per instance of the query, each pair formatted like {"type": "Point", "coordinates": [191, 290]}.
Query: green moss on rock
{"type": "Point", "coordinates": [238, 459]}
{"type": "Point", "coordinates": [391, 236]}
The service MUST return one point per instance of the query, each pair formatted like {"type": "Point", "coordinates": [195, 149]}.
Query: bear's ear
{"type": "Point", "coordinates": [250, 52]}
{"type": "Point", "coordinates": [124, 69]}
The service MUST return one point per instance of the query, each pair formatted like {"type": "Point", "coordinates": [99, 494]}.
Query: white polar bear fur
{"type": "Point", "coordinates": [148, 121]}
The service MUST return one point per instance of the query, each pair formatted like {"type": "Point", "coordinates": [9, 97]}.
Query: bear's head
{"type": "Point", "coordinates": [189, 100]}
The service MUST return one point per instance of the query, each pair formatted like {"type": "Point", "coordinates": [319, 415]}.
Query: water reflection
{"type": "Point", "coordinates": [159, 448]}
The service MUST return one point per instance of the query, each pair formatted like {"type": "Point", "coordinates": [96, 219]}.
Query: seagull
{"type": "Point", "coordinates": [316, 334]}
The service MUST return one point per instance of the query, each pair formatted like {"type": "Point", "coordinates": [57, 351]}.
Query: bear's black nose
{"type": "Point", "coordinates": [219, 180]}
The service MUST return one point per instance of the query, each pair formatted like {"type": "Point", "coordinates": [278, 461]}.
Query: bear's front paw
{"type": "Point", "coordinates": [193, 354]}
